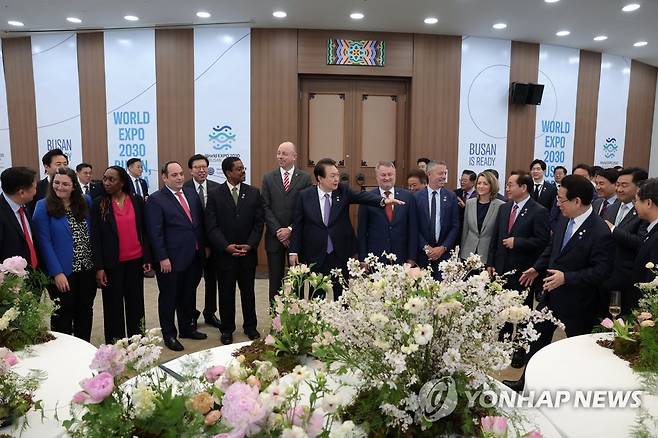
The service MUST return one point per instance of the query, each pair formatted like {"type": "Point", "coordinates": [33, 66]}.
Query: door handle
{"type": "Point", "coordinates": [361, 179]}
{"type": "Point", "coordinates": [344, 177]}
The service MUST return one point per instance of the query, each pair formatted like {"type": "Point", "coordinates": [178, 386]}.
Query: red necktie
{"type": "Point", "coordinates": [512, 218]}
{"type": "Point", "coordinates": [388, 209]}
{"type": "Point", "coordinates": [286, 181]}
{"type": "Point", "coordinates": [28, 239]}
{"type": "Point", "coordinates": [604, 207]}
{"type": "Point", "coordinates": [186, 207]}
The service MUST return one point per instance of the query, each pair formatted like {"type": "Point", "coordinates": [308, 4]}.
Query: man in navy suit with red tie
{"type": "Point", "coordinates": [19, 187]}
{"type": "Point", "coordinates": [174, 218]}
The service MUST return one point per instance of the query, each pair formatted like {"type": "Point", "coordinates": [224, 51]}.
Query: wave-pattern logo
{"type": "Point", "coordinates": [610, 147]}
{"type": "Point", "coordinates": [438, 398]}
{"type": "Point", "coordinates": [222, 138]}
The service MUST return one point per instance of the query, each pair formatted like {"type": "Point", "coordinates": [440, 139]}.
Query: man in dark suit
{"type": "Point", "coordinates": [466, 190]}
{"type": "Point", "coordinates": [543, 191]}
{"type": "Point", "coordinates": [279, 190]}
{"type": "Point", "coordinates": [198, 165]}
{"type": "Point", "coordinates": [139, 185]}
{"type": "Point", "coordinates": [234, 225]}
{"type": "Point", "coordinates": [628, 232]}
{"type": "Point", "coordinates": [576, 261]}
{"type": "Point", "coordinates": [438, 220]}
{"type": "Point", "coordinates": [174, 218]}
{"type": "Point", "coordinates": [606, 189]}
{"type": "Point", "coordinates": [89, 187]}
{"type": "Point", "coordinates": [647, 208]}
{"type": "Point", "coordinates": [322, 234]}
{"type": "Point", "coordinates": [392, 230]}
{"type": "Point", "coordinates": [51, 160]}
{"type": "Point", "coordinates": [16, 237]}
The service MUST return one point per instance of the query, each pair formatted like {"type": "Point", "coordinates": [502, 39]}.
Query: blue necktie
{"type": "Point", "coordinates": [568, 233]}
{"type": "Point", "coordinates": [325, 219]}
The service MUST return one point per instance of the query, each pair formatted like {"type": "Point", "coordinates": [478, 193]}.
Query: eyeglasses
{"type": "Point", "coordinates": [203, 167]}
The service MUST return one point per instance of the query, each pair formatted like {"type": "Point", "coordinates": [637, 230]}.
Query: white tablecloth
{"type": "Point", "coordinates": [66, 361]}
{"type": "Point", "coordinates": [579, 363]}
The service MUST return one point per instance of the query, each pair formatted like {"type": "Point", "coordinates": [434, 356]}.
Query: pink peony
{"type": "Point", "coordinates": [10, 359]}
{"type": "Point", "coordinates": [15, 265]}
{"type": "Point", "coordinates": [242, 410]}
{"type": "Point", "coordinates": [214, 373]}
{"type": "Point", "coordinates": [607, 323]}
{"type": "Point", "coordinates": [533, 434]}
{"type": "Point", "coordinates": [109, 358]}
{"type": "Point", "coordinates": [276, 323]}
{"type": "Point", "coordinates": [98, 387]}
{"type": "Point", "coordinates": [80, 397]}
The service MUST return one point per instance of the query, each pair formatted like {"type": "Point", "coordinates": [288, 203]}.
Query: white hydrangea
{"type": "Point", "coordinates": [143, 401]}
{"type": "Point", "coordinates": [10, 315]}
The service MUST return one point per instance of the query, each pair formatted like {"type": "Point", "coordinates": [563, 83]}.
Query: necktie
{"type": "Point", "coordinates": [567, 234]}
{"type": "Point", "coordinates": [388, 209]}
{"type": "Point", "coordinates": [186, 207]}
{"type": "Point", "coordinates": [234, 193]}
{"type": "Point", "coordinates": [202, 196]}
{"type": "Point", "coordinates": [28, 239]}
{"type": "Point", "coordinates": [621, 213]}
{"type": "Point", "coordinates": [86, 189]}
{"type": "Point", "coordinates": [138, 187]}
{"type": "Point", "coordinates": [433, 235]}
{"type": "Point", "coordinates": [537, 190]}
{"type": "Point", "coordinates": [325, 219]}
{"type": "Point", "coordinates": [286, 181]}
{"type": "Point", "coordinates": [512, 218]}
{"type": "Point", "coordinates": [604, 207]}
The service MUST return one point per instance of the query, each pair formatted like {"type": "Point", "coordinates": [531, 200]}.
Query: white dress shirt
{"type": "Point", "coordinates": [14, 207]}
{"type": "Point", "coordinates": [579, 220]}
{"type": "Point", "coordinates": [290, 172]}
{"type": "Point", "coordinates": [204, 184]}
{"type": "Point", "coordinates": [521, 204]}
{"type": "Point", "coordinates": [651, 225]}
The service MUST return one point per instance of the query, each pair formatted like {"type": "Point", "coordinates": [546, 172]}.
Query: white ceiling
{"type": "Point", "coordinates": [527, 20]}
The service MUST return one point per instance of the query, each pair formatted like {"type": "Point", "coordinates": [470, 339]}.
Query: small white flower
{"type": "Point", "coordinates": [423, 333]}
{"type": "Point", "coordinates": [650, 265]}
{"type": "Point", "coordinates": [330, 403]}
{"type": "Point", "coordinates": [379, 319]}
{"type": "Point", "coordinates": [294, 432]}
{"type": "Point", "coordinates": [414, 305]}
{"type": "Point", "coordinates": [300, 373]}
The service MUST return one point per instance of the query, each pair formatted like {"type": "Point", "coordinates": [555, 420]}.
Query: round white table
{"type": "Point", "coordinates": [66, 361]}
{"type": "Point", "coordinates": [579, 363]}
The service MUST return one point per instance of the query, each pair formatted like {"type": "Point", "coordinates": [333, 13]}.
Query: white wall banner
{"type": "Point", "coordinates": [131, 100]}
{"type": "Point", "coordinates": [611, 116]}
{"type": "Point", "coordinates": [556, 116]}
{"type": "Point", "coordinates": [57, 94]}
{"type": "Point", "coordinates": [5, 148]}
{"type": "Point", "coordinates": [485, 74]}
{"type": "Point", "coordinates": [222, 81]}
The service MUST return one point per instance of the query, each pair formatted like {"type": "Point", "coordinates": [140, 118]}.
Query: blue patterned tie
{"type": "Point", "coordinates": [568, 233]}
{"type": "Point", "coordinates": [325, 219]}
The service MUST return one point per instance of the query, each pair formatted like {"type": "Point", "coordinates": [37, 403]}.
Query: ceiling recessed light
{"type": "Point", "coordinates": [279, 14]}
{"type": "Point", "coordinates": [431, 20]}
{"type": "Point", "coordinates": [631, 7]}
{"type": "Point", "coordinates": [203, 14]}
{"type": "Point", "coordinates": [563, 33]}
{"type": "Point", "coordinates": [131, 18]}
{"type": "Point", "coordinates": [600, 38]}
{"type": "Point", "coordinates": [640, 44]}
{"type": "Point", "coordinates": [15, 23]}
{"type": "Point", "coordinates": [500, 26]}
{"type": "Point", "coordinates": [551, 1]}
{"type": "Point", "coordinates": [73, 20]}
{"type": "Point", "coordinates": [356, 15]}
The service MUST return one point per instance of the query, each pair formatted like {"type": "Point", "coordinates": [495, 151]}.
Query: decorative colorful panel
{"type": "Point", "coordinates": [355, 52]}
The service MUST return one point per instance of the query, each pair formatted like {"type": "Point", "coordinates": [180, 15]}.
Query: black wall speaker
{"type": "Point", "coordinates": [535, 94]}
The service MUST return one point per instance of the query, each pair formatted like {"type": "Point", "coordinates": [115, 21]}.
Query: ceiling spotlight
{"type": "Point", "coordinates": [131, 18]}
{"type": "Point", "coordinates": [356, 15]}
{"type": "Point", "coordinates": [431, 20]}
{"type": "Point", "coordinates": [279, 14]}
{"type": "Point", "coordinates": [500, 26]}
{"type": "Point", "coordinates": [203, 14]}
{"type": "Point", "coordinates": [631, 7]}
{"type": "Point", "coordinates": [600, 38]}
{"type": "Point", "coordinates": [640, 44]}
{"type": "Point", "coordinates": [563, 33]}
{"type": "Point", "coordinates": [73, 20]}
{"type": "Point", "coordinates": [551, 1]}
{"type": "Point", "coordinates": [15, 23]}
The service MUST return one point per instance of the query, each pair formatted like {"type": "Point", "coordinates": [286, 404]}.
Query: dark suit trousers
{"type": "Point", "coordinates": [276, 264]}
{"type": "Point", "coordinates": [124, 295]}
{"type": "Point", "coordinates": [76, 307]}
{"type": "Point", "coordinates": [513, 284]}
{"type": "Point", "coordinates": [178, 297]}
{"type": "Point", "coordinates": [210, 281]}
{"type": "Point", "coordinates": [331, 261]}
{"type": "Point", "coordinates": [573, 326]}
{"type": "Point", "coordinates": [244, 273]}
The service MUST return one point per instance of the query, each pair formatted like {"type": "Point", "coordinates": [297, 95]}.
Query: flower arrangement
{"type": "Point", "coordinates": [25, 308]}
{"type": "Point", "coordinates": [16, 392]}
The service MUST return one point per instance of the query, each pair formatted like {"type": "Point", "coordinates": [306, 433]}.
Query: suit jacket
{"type": "Point", "coordinates": [105, 237]}
{"type": "Point", "coordinates": [142, 182]}
{"type": "Point", "coordinates": [170, 231]}
{"type": "Point", "coordinates": [610, 213]}
{"type": "Point", "coordinates": [228, 224]}
{"type": "Point", "coordinates": [55, 239]}
{"type": "Point", "coordinates": [473, 240]}
{"type": "Point", "coordinates": [42, 189]}
{"type": "Point", "coordinates": [460, 194]}
{"type": "Point", "coordinates": [309, 233]}
{"type": "Point", "coordinates": [648, 252]}
{"type": "Point", "coordinates": [279, 205]}
{"type": "Point", "coordinates": [585, 261]}
{"type": "Point", "coordinates": [210, 185]}
{"type": "Point", "coordinates": [95, 189]}
{"type": "Point", "coordinates": [12, 239]}
{"type": "Point", "coordinates": [448, 216]}
{"type": "Point", "coordinates": [377, 235]}
{"type": "Point", "coordinates": [548, 195]}
{"type": "Point", "coordinates": [628, 236]}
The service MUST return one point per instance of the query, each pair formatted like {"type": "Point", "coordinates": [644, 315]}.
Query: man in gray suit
{"type": "Point", "coordinates": [606, 188]}
{"type": "Point", "coordinates": [198, 165]}
{"type": "Point", "coordinates": [279, 192]}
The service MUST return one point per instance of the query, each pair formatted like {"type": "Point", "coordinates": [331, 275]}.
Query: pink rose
{"type": "Point", "coordinates": [10, 359]}
{"type": "Point", "coordinates": [15, 265]}
{"type": "Point", "coordinates": [212, 417]}
{"type": "Point", "coordinates": [214, 373]}
{"type": "Point", "coordinates": [644, 316]}
{"type": "Point", "coordinates": [487, 424]}
{"type": "Point", "coordinates": [607, 323]}
{"type": "Point", "coordinates": [415, 273]}
{"type": "Point", "coordinates": [315, 425]}
{"type": "Point", "coordinates": [276, 323]}
{"type": "Point", "coordinates": [499, 427]}
{"type": "Point", "coordinates": [80, 397]}
{"type": "Point", "coordinates": [269, 340]}
{"type": "Point", "coordinates": [98, 387]}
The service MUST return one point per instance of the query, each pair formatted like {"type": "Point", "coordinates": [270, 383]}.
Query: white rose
{"type": "Point", "coordinates": [649, 265]}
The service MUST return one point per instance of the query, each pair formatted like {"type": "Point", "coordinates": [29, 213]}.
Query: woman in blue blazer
{"type": "Point", "coordinates": [61, 221]}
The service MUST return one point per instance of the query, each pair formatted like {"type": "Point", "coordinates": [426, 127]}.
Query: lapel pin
{"type": "Point", "coordinates": [337, 199]}
{"type": "Point", "coordinates": [242, 197]}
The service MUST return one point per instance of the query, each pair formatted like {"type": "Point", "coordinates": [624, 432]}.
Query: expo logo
{"type": "Point", "coordinates": [610, 147]}
{"type": "Point", "coordinates": [222, 137]}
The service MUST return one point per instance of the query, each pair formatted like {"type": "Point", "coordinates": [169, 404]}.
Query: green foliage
{"type": "Point", "coordinates": [648, 359]}
{"type": "Point", "coordinates": [17, 394]}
